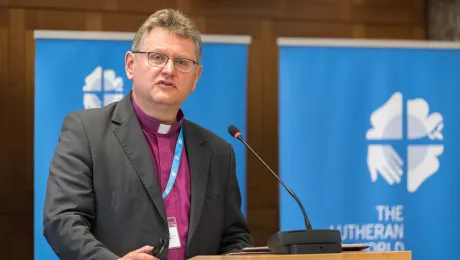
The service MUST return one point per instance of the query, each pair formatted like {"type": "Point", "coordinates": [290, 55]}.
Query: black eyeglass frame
{"type": "Point", "coordinates": [195, 63]}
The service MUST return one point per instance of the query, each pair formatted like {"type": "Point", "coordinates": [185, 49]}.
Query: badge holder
{"type": "Point", "coordinates": [174, 241]}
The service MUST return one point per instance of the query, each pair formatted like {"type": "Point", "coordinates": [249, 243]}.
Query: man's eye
{"type": "Point", "coordinates": [157, 57]}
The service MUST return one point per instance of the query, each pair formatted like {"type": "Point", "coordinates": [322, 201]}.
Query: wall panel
{"type": "Point", "coordinates": [57, 4]}
{"type": "Point", "coordinates": [111, 21]}
{"type": "Point", "coordinates": [136, 6]}
{"type": "Point", "coordinates": [392, 32]}
{"type": "Point", "coordinates": [44, 19]}
{"type": "Point", "coordinates": [291, 28]}
{"type": "Point", "coordinates": [19, 191]}
{"type": "Point", "coordinates": [328, 10]}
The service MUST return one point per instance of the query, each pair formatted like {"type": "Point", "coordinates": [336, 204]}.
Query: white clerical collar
{"type": "Point", "coordinates": [163, 129]}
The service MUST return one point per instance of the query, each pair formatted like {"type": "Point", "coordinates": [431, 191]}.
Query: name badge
{"type": "Point", "coordinates": [174, 241]}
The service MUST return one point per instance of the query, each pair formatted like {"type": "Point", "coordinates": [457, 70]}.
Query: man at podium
{"type": "Point", "coordinates": [136, 173]}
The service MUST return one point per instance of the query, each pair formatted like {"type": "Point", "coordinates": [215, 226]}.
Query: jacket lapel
{"type": "Point", "coordinates": [131, 138]}
{"type": "Point", "coordinates": [198, 158]}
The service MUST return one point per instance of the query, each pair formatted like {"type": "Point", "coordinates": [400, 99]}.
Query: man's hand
{"type": "Point", "coordinates": [140, 254]}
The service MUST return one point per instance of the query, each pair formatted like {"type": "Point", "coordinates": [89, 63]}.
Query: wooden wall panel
{"type": "Point", "coordinates": [200, 22]}
{"type": "Point", "coordinates": [262, 187]}
{"type": "Point", "coordinates": [56, 4]}
{"type": "Point", "coordinates": [290, 28]}
{"type": "Point", "coordinates": [18, 157]}
{"type": "Point", "coordinates": [263, 20]}
{"type": "Point", "coordinates": [329, 10]}
{"type": "Point", "coordinates": [231, 26]}
{"type": "Point", "coordinates": [392, 32]}
{"type": "Point", "coordinates": [93, 21]}
{"type": "Point", "coordinates": [43, 19]}
{"type": "Point", "coordinates": [385, 14]}
{"type": "Point", "coordinates": [234, 8]}
{"type": "Point", "coordinates": [405, 4]}
{"type": "Point", "coordinates": [28, 100]}
{"type": "Point", "coordinates": [131, 22]}
{"type": "Point", "coordinates": [3, 17]}
{"type": "Point", "coordinates": [4, 191]}
{"type": "Point", "coordinates": [144, 5]}
{"type": "Point", "coordinates": [17, 240]}
{"type": "Point", "coordinates": [136, 6]}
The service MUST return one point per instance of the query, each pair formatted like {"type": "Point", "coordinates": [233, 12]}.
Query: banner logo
{"type": "Point", "coordinates": [419, 132]}
{"type": "Point", "coordinates": [102, 88]}
{"type": "Point", "coordinates": [423, 132]}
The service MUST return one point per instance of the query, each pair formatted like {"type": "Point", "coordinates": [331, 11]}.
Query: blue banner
{"type": "Point", "coordinates": [364, 145]}
{"type": "Point", "coordinates": [81, 70]}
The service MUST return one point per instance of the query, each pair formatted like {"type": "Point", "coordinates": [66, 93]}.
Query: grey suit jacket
{"type": "Point", "coordinates": [103, 199]}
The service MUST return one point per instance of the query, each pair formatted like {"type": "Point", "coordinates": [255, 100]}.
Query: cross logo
{"type": "Point", "coordinates": [411, 124]}
{"type": "Point", "coordinates": [102, 84]}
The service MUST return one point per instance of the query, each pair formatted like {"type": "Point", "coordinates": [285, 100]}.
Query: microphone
{"type": "Point", "coordinates": [308, 241]}
{"type": "Point", "coordinates": [237, 134]}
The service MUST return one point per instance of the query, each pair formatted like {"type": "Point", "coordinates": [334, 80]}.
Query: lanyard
{"type": "Point", "coordinates": [175, 164]}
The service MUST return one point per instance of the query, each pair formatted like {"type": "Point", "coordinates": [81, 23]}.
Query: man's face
{"type": "Point", "coordinates": [166, 85]}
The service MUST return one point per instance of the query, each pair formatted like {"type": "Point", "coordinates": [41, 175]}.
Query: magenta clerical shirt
{"type": "Point", "coordinates": [162, 142]}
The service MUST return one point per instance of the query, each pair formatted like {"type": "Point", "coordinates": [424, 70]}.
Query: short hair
{"type": "Point", "coordinates": [174, 21]}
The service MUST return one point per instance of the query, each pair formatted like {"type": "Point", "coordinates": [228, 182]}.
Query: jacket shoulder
{"type": "Point", "coordinates": [94, 116]}
{"type": "Point", "coordinates": [208, 135]}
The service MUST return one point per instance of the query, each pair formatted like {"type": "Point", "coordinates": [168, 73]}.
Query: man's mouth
{"type": "Point", "coordinates": [165, 83]}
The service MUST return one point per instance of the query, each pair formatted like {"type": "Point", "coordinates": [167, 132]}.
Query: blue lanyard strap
{"type": "Point", "coordinates": [175, 164]}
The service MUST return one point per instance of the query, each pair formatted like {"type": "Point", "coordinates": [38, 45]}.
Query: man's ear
{"type": "Point", "coordinates": [129, 65]}
{"type": "Point", "coordinates": [197, 76]}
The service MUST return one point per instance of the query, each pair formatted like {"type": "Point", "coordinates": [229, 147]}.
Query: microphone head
{"type": "Point", "coordinates": [233, 131]}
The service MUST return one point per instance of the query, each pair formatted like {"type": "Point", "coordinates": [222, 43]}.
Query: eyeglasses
{"type": "Point", "coordinates": [160, 60]}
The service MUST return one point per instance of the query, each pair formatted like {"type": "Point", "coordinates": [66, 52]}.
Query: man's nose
{"type": "Point", "coordinates": [169, 67]}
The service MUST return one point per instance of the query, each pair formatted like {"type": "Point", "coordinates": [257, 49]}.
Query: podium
{"type": "Point", "coordinates": [399, 255]}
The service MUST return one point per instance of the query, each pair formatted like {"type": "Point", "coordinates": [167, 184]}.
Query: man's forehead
{"type": "Point", "coordinates": [160, 42]}
{"type": "Point", "coordinates": [162, 34]}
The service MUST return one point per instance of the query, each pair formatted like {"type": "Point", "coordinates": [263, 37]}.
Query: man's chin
{"type": "Point", "coordinates": [160, 100]}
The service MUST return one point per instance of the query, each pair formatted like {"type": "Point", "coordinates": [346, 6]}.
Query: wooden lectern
{"type": "Point", "coordinates": [399, 255]}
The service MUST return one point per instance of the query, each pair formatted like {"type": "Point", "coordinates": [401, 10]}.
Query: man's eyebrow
{"type": "Point", "coordinates": [179, 55]}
